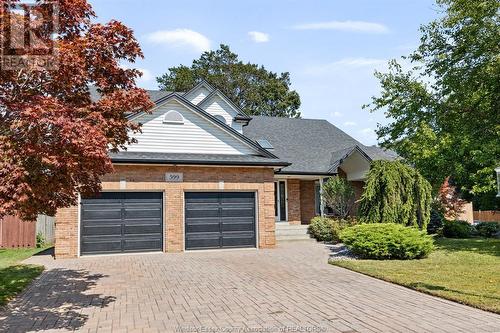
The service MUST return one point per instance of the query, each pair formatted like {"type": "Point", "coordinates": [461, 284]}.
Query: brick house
{"type": "Point", "coordinates": [204, 175]}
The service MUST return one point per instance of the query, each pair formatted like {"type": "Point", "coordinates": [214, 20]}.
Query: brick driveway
{"type": "Point", "coordinates": [291, 287]}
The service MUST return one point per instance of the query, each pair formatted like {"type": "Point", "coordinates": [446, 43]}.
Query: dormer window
{"type": "Point", "coordinates": [173, 117]}
{"type": "Point", "coordinates": [221, 119]}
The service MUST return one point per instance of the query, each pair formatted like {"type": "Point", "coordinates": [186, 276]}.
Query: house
{"type": "Point", "coordinates": [204, 175]}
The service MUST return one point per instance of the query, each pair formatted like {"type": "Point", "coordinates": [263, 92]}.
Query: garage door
{"type": "Point", "coordinates": [116, 222]}
{"type": "Point", "coordinates": [220, 220]}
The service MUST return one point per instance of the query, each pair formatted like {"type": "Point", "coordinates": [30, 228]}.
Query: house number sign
{"type": "Point", "coordinates": [173, 177]}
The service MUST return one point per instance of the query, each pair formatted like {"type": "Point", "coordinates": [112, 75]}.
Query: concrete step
{"type": "Point", "coordinates": [291, 232]}
{"type": "Point", "coordinates": [283, 226]}
{"type": "Point", "coordinates": [285, 238]}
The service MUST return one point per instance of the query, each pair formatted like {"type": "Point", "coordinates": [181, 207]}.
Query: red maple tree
{"type": "Point", "coordinates": [450, 200]}
{"type": "Point", "coordinates": [54, 140]}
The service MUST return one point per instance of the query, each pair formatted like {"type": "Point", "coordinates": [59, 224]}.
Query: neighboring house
{"type": "Point", "coordinates": [204, 175]}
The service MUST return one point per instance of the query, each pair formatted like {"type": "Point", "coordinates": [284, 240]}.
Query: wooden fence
{"type": "Point", "coordinates": [45, 227]}
{"type": "Point", "coordinates": [15, 232]}
{"type": "Point", "coordinates": [487, 215]}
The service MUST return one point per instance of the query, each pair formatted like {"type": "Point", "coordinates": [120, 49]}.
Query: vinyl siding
{"type": "Point", "coordinates": [197, 135]}
{"type": "Point", "coordinates": [198, 95]}
{"type": "Point", "coordinates": [216, 106]}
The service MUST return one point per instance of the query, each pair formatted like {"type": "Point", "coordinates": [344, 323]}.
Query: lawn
{"type": "Point", "coordinates": [14, 276]}
{"type": "Point", "coordinates": [463, 270]}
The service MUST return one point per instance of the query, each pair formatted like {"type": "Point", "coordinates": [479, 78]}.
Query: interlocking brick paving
{"type": "Point", "coordinates": [288, 288]}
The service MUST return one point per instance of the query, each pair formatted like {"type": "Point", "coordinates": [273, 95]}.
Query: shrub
{"type": "Point", "coordinates": [397, 193]}
{"type": "Point", "coordinates": [338, 194]}
{"type": "Point", "coordinates": [436, 223]}
{"type": "Point", "coordinates": [457, 229]}
{"type": "Point", "coordinates": [387, 241]}
{"type": "Point", "coordinates": [40, 240]}
{"type": "Point", "coordinates": [328, 229]}
{"type": "Point", "coordinates": [487, 229]}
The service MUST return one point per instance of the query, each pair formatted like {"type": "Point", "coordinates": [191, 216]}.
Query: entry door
{"type": "Point", "coordinates": [280, 200]}
{"type": "Point", "coordinates": [220, 220]}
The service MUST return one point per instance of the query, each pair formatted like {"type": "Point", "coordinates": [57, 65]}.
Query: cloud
{"type": "Point", "coordinates": [146, 75]}
{"type": "Point", "coordinates": [351, 26]}
{"type": "Point", "coordinates": [180, 38]}
{"type": "Point", "coordinates": [350, 123]}
{"type": "Point", "coordinates": [343, 64]}
{"type": "Point", "coordinates": [259, 37]}
{"type": "Point", "coordinates": [337, 114]}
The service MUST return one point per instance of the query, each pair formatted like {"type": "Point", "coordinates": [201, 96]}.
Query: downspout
{"type": "Point", "coordinates": [321, 203]}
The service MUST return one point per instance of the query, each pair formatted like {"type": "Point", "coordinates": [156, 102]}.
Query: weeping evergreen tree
{"type": "Point", "coordinates": [396, 193]}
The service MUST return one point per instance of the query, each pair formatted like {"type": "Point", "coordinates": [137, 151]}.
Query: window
{"type": "Point", "coordinates": [221, 119]}
{"type": "Point", "coordinates": [265, 144]}
{"type": "Point", "coordinates": [173, 117]}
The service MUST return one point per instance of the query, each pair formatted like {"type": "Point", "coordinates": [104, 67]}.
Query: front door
{"type": "Point", "coordinates": [280, 200]}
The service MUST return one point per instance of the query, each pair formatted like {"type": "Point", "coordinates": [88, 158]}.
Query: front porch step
{"type": "Point", "coordinates": [291, 232]}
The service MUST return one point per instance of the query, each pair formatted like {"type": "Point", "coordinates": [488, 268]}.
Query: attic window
{"type": "Point", "coordinates": [221, 119]}
{"type": "Point", "coordinates": [265, 144]}
{"type": "Point", "coordinates": [173, 117]}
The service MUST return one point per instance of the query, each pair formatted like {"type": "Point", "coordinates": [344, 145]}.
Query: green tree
{"type": "Point", "coordinates": [253, 88]}
{"type": "Point", "coordinates": [444, 110]}
{"type": "Point", "coordinates": [338, 194]}
{"type": "Point", "coordinates": [396, 193]}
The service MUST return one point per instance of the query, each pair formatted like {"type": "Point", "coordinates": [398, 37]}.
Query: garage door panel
{"type": "Point", "coordinates": [102, 230]}
{"type": "Point", "coordinates": [142, 229]}
{"type": "Point", "coordinates": [143, 213]}
{"type": "Point", "coordinates": [212, 212]}
{"type": "Point", "coordinates": [238, 240]}
{"type": "Point", "coordinates": [239, 212]}
{"type": "Point", "coordinates": [203, 227]}
{"type": "Point", "coordinates": [115, 222]}
{"type": "Point", "coordinates": [142, 244]}
{"type": "Point", "coordinates": [101, 245]}
{"type": "Point", "coordinates": [219, 219]}
{"type": "Point", "coordinates": [249, 226]}
{"type": "Point", "coordinates": [205, 241]}
{"type": "Point", "coordinates": [104, 213]}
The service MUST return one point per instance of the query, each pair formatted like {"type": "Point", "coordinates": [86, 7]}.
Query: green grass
{"type": "Point", "coordinates": [14, 276]}
{"type": "Point", "coordinates": [463, 270]}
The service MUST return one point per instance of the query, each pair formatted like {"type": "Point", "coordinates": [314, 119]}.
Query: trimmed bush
{"type": "Point", "coordinates": [328, 229]}
{"type": "Point", "coordinates": [487, 229]}
{"type": "Point", "coordinates": [457, 229]}
{"type": "Point", "coordinates": [387, 241]}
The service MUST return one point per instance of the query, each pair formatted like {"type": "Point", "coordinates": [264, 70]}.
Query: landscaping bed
{"type": "Point", "coordinates": [14, 276]}
{"type": "Point", "coordinates": [462, 270]}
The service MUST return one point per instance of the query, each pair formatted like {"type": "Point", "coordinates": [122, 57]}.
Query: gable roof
{"type": "Point", "coordinates": [180, 98]}
{"type": "Point", "coordinates": [202, 83]}
{"type": "Point", "coordinates": [312, 146]}
{"type": "Point", "coordinates": [154, 95]}
{"type": "Point", "coordinates": [240, 114]}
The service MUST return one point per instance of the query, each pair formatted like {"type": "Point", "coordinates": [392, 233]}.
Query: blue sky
{"type": "Point", "coordinates": [331, 47]}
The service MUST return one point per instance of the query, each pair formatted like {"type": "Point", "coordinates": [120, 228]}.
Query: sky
{"type": "Point", "coordinates": [331, 47]}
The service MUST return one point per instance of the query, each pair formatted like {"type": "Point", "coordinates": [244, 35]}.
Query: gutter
{"type": "Point", "coordinates": [197, 162]}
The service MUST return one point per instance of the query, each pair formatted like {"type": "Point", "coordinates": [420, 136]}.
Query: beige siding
{"type": "Point", "coordinates": [196, 135]}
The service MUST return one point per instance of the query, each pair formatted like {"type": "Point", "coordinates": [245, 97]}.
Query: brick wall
{"type": "Point", "coordinates": [294, 210]}
{"type": "Point", "coordinates": [151, 178]}
{"type": "Point", "coordinates": [307, 201]}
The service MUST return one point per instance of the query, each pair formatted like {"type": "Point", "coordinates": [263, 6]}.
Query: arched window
{"type": "Point", "coordinates": [173, 117]}
{"type": "Point", "coordinates": [221, 119]}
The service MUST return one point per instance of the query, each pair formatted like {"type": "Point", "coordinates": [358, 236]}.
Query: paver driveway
{"type": "Point", "coordinates": [288, 288]}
